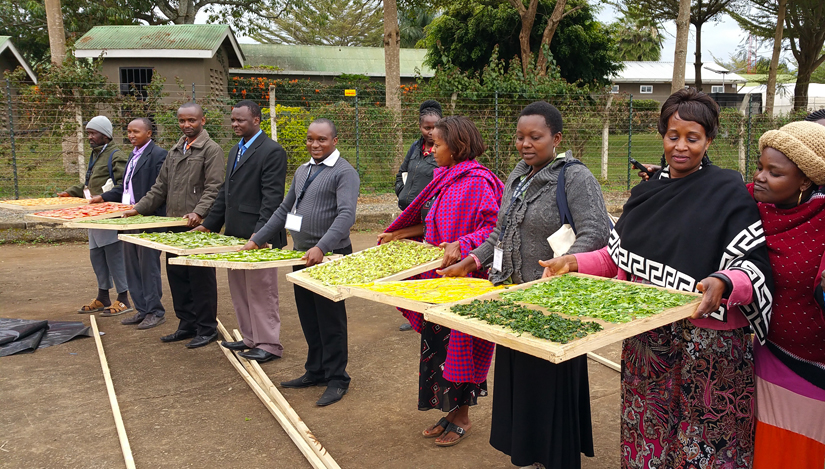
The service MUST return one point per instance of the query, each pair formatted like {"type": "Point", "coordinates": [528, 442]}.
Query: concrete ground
{"type": "Point", "coordinates": [190, 408]}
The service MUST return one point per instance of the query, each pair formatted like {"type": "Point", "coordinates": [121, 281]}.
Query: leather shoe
{"type": "Point", "coordinates": [303, 382]}
{"type": "Point", "coordinates": [151, 321]}
{"type": "Point", "coordinates": [133, 319]}
{"type": "Point", "coordinates": [239, 345]}
{"type": "Point", "coordinates": [201, 340]}
{"type": "Point", "coordinates": [259, 355]}
{"type": "Point", "coordinates": [332, 395]}
{"type": "Point", "coordinates": [178, 335]}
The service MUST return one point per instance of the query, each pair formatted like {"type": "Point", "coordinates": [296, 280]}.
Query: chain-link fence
{"type": "Point", "coordinates": [43, 148]}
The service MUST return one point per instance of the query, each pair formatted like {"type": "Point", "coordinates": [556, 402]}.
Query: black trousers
{"type": "Point", "coordinates": [195, 297]}
{"type": "Point", "coordinates": [324, 323]}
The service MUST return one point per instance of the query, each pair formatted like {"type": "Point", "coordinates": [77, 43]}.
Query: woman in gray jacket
{"type": "Point", "coordinates": [417, 169]}
{"type": "Point", "coordinates": [541, 410]}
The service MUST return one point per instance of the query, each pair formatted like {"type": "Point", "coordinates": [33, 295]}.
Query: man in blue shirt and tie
{"type": "Point", "coordinates": [252, 190]}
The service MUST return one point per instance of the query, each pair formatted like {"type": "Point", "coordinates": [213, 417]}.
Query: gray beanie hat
{"type": "Point", "coordinates": [101, 124]}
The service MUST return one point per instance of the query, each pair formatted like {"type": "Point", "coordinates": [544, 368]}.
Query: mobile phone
{"type": "Point", "coordinates": [641, 167]}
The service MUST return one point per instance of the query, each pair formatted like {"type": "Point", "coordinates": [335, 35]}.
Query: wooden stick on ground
{"type": "Point", "coordinates": [110, 388]}
{"type": "Point", "coordinates": [290, 413]}
{"type": "Point", "coordinates": [605, 361]}
{"type": "Point", "coordinates": [293, 434]}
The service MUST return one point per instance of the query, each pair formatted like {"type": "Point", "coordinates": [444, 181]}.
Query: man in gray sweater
{"type": "Point", "coordinates": [319, 211]}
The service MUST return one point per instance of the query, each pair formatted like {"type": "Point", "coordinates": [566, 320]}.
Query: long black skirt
{"type": "Point", "coordinates": [435, 392]}
{"type": "Point", "coordinates": [541, 410]}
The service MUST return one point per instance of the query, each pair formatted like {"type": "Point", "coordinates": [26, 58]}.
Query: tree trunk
{"type": "Point", "coordinates": [697, 64]}
{"type": "Point", "coordinates": [800, 92]}
{"type": "Point", "coordinates": [392, 68]}
{"type": "Point", "coordinates": [680, 52]}
{"type": "Point", "coordinates": [770, 92]}
{"type": "Point", "coordinates": [547, 37]}
{"type": "Point", "coordinates": [57, 35]}
{"type": "Point", "coordinates": [528, 17]}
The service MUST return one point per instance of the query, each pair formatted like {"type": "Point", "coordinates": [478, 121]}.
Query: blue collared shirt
{"type": "Point", "coordinates": [244, 146]}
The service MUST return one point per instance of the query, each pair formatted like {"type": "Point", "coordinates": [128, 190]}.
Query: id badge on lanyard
{"type": "Point", "coordinates": [87, 193]}
{"type": "Point", "coordinates": [498, 258]}
{"type": "Point", "coordinates": [293, 222]}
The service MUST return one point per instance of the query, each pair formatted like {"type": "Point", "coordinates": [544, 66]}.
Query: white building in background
{"type": "Point", "coordinates": [783, 103]}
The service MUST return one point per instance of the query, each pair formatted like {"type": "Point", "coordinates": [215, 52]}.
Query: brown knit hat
{"type": "Point", "coordinates": [804, 144]}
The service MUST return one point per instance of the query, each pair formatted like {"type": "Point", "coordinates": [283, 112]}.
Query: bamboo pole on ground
{"type": "Point", "coordinates": [290, 413]}
{"type": "Point", "coordinates": [293, 434]}
{"type": "Point", "coordinates": [604, 361]}
{"type": "Point", "coordinates": [110, 389]}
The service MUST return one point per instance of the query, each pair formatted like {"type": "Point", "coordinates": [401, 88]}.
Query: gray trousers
{"type": "Point", "coordinates": [108, 264]}
{"type": "Point", "coordinates": [143, 273]}
{"type": "Point", "coordinates": [255, 298]}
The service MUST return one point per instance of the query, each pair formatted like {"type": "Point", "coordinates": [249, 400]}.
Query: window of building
{"type": "Point", "coordinates": [614, 89]}
{"type": "Point", "coordinates": [646, 89]}
{"type": "Point", "coordinates": [135, 80]}
{"type": "Point", "coordinates": [717, 89]}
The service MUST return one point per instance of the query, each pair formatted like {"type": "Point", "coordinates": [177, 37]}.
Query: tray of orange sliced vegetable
{"type": "Point", "coordinates": [84, 212]}
{"type": "Point", "coordinates": [47, 203]}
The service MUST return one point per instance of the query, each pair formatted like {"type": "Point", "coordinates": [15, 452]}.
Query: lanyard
{"type": "Point", "coordinates": [310, 177]}
{"type": "Point", "coordinates": [521, 187]}
{"type": "Point", "coordinates": [92, 164]}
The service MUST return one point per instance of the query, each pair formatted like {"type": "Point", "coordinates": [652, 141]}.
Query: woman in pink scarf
{"type": "Point", "coordinates": [456, 211]}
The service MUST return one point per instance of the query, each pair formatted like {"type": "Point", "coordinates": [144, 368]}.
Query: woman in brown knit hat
{"type": "Point", "coordinates": [790, 366]}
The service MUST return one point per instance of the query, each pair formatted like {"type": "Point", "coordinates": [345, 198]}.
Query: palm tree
{"type": "Point", "coordinates": [412, 22]}
{"type": "Point", "coordinates": [637, 36]}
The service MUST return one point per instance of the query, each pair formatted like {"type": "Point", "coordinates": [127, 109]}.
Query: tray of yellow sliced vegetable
{"type": "Point", "coordinates": [418, 295]}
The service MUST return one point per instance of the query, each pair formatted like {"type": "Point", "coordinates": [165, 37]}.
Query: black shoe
{"type": "Point", "coordinates": [332, 395]}
{"type": "Point", "coordinates": [405, 327]}
{"type": "Point", "coordinates": [201, 340]}
{"type": "Point", "coordinates": [259, 355]}
{"type": "Point", "coordinates": [239, 345]}
{"type": "Point", "coordinates": [178, 335]}
{"type": "Point", "coordinates": [303, 382]}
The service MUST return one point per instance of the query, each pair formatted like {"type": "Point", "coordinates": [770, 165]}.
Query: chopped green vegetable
{"type": "Point", "coordinates": [192, 239]}
{"type": "Point", "coordinates": [520, 319]}
{"type": "Point", "coordinates": [253, 255]}
{"type": "Point", "coordinates": [610, 301]}
{"type": "Point", "coordinates": [135, 220]}
{"type": "Point", "coordinates": [372, 264]}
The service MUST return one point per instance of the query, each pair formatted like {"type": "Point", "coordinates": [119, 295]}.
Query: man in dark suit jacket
{"type": "Point", "coordinates": [142, 263]}
{"type": "Point", "coordinates": [252, 190]}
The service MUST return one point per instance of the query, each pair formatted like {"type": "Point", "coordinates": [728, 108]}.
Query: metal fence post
{"type": "Point", "coordinates": [498, 159]}
{"type": "Point", "coordinates": [748, 151]}
{"type": "Point", "coordinates": [629, 137]}
{"type": "Point", "coordinates": [11, 137]}
{"type": "Point", "coordinates": [357, 136]}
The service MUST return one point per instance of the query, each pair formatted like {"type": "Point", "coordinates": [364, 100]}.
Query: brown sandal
{"type": "Point", "coordinates": [93, 307]}
{"type": "Point", "coordinates": [430, 432]}
{"type": "Point", "coordinates": [117, 308]}
{"type": "Point", "coordinates": [462, 433]}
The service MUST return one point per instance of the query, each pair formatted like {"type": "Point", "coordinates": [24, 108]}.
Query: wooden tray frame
{"type": "Point", "coordinates": [234, 265]}
{"type": "Point", "coordinates": [40, 208]}
{"type": "Point", "coordinates": [125, 227]}
{"type": "Point", "coordinates": [176, 250]}
{"type": "Point", "coordinates": [63, 221]}
{"type": "Point", "coordinates": [554, 351]}
{"type": "Point", "coordinates": [340, 292]}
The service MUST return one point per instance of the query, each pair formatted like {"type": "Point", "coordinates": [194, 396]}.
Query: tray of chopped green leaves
{"type": "Point", "coordinates": [395, 260]}
{"type": "Point", "coordinates": [137, 222]}
{"type": "Point", "coordinates": [252, 259]}
{"type": "Point", "coordinates": [186, 243]}
{"type": "Point", "coordinates": [563, 317]}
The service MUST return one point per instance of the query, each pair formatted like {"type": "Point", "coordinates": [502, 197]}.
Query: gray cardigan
{"type": "Point", "coordinates": [536, 216]}
{"type": "Point", "coordinates": [327, 208]}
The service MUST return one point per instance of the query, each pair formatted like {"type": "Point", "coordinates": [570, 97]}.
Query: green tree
{"type": "Point", "coordinates": [818, 76]}
{"type": "Point", "coordinates": [637, 36]}
{"type": "Point", "coordinates": [412, 22]}
{"type": "Point", "coordinates": [324, 22]}
{"type": "Point", "coordinates": [804, 31]}
{"type": "Point", "coordinates": [466, 34]}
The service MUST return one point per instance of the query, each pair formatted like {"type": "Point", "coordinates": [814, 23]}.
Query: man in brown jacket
{"type": "Point", "coordinates": [188, 183]}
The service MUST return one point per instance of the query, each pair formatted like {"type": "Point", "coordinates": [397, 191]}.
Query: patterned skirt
{"type": "Point", "coordinates": [435, 392]}
{"type": "Point", "coordinates": [687, 399]}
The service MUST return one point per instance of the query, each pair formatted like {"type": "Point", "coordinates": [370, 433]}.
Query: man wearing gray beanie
{"type": "Point", "coordinates": [106, 163]}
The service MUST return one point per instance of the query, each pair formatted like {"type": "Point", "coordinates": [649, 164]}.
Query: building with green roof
{"type": "Point", "coordinates": [10, 59]}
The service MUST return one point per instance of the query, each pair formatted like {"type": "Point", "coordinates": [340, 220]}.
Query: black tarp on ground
{"type": "Point", "coordinates": [25, 335]}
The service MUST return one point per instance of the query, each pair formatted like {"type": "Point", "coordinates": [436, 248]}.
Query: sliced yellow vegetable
{"type": "Point", "coordinates": [434, 290]}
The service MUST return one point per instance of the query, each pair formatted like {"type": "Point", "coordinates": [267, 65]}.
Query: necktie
{"type": "Point", "coordinates": [241, 150]}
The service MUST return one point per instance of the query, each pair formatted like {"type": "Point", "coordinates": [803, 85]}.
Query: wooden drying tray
{"type": "Point", "coordinates": [69, 203]}
{"type": "Point", "coordinates": [554, 351]}
{"type": "Point", "coordinates": [63, 221]}
{"type": "Point", "coordinates": [176, 250]}
{"type": "Point", "coordinates": [235, 265]}
{"type": "Point", "coordinates": [125, 226]}
{"type": "Point", "coordinates": [340, 292]}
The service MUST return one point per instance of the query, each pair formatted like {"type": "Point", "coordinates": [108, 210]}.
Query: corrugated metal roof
{"type": "Point", "coordinates": [331, 60]}
{"type": "Point", "coordinates": [7, 44]}
{"type": "Point", "coordinates": [3, 40]}
{"type": "Point", "coordinates": [662, 72]}
{"type": "Point", "coordinates": [184, 36]}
